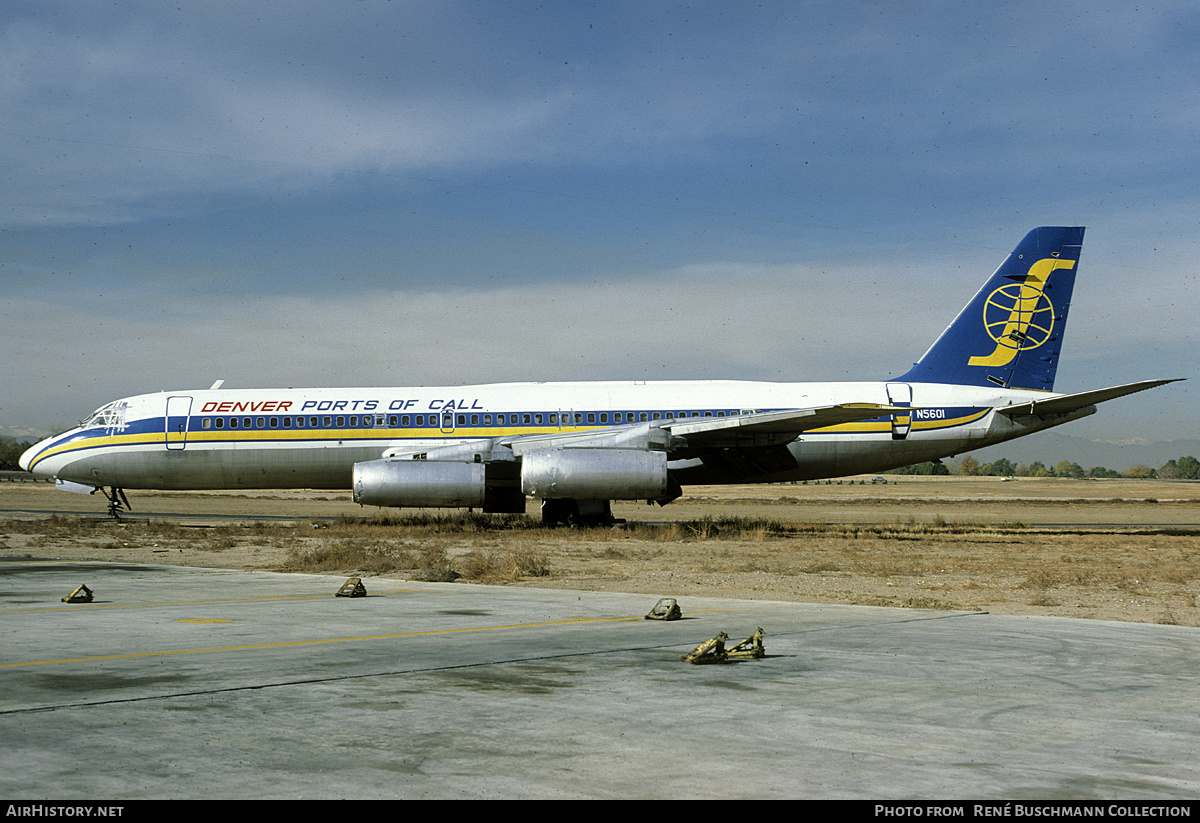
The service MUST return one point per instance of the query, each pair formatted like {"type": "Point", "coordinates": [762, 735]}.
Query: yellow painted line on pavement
{"type": "Point", "coordinates": [135, 655]}
{"type": "Point", "coordinates": [78, 607]}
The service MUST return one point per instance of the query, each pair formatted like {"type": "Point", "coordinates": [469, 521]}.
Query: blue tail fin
{"type": "Point", "coordinates": [1010, 334]}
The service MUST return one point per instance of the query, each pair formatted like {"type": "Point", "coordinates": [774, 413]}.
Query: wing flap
{"type": "Point", "coordinates": [1065, 403]}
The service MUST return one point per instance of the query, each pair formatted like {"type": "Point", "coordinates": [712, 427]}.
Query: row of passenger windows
{"type": "Point", "coordinates": [448, 420]}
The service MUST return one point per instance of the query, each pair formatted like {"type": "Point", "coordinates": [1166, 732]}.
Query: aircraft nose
{"type": "Point", "coordinates": [26, 460]}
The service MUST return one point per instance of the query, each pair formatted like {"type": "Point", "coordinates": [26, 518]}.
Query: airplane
{"type": "Point", "coordinates": [578, 446]}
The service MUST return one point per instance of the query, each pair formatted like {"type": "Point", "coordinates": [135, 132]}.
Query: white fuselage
{"type": "Point", "coordinates": [311, 438]}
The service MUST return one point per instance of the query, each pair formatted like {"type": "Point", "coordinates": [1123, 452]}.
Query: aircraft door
{"type": "Point", "coordinates": [176, 422]}
{"type": "Point", "coordinates": [900, 394]}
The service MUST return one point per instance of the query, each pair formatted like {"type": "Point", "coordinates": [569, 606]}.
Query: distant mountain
{"type": "Point", "coordinates": [1050, 447]}
{"type": "Point", "coordinates": [23, 433]}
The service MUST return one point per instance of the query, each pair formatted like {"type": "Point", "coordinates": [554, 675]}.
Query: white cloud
{"type": "Point", "coordinates": [718, 321]}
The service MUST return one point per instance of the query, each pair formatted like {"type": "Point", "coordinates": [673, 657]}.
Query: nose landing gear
{"type": "Point", "coordinates": [117, 501]}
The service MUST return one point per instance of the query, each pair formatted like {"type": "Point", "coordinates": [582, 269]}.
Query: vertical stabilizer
{"type": "Point", "coordinates": [1010, 334]}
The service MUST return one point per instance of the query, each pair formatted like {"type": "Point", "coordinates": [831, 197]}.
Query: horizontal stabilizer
{"type": "Point", "coordinates": [1070, 402]}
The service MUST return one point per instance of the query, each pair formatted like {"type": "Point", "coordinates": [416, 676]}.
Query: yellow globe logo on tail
{"type": "Point", "coordinates": [1019, 316]}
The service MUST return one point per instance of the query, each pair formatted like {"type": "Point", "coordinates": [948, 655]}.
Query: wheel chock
{"type": "Point", "coordinates": [81, 595]}
{"type": "Point", "coordinates": [749, 649]}
{"type": "Point", "coordinates": [352, 588]}
{"type": "Point", "coordinates": [714, 651]}
{"type": "Point", "coordinates": [665, 609]}
{"type": "Point", "coordinates": [710, 651]}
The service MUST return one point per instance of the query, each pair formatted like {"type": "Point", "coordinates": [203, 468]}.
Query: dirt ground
{"type": "Point", "coordinates": [1104, 549]}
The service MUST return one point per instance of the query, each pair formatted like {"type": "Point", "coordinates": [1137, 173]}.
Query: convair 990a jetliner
{"type": "Point", "coordinates": [578, 446]}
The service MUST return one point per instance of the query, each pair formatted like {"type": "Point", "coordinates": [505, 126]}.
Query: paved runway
{"type": "Point", "coordinates": [194, 683]}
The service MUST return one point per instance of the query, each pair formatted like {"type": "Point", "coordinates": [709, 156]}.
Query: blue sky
{"type": "Point", "coordinates": [414, 193]}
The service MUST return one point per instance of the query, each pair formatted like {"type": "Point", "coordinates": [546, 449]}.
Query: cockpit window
{"type": "Point", "coordinates": [111, 416]}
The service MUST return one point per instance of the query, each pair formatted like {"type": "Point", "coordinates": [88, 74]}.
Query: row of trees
{"type": "Point", "coordinates": [10, 452]}
{"type": "Point", "coordinates": [1183, 468]}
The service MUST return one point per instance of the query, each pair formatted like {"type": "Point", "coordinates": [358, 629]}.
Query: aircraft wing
{"type": "Point", "coordinates": [771, 428]}
{"type": "Point", "coordinates": [1070, 402]}
{"type": "Point", "coordinates": [747, 430]}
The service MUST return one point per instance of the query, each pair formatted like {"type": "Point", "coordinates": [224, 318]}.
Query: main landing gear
{"type": "Point", "coordinates": [568, 512]}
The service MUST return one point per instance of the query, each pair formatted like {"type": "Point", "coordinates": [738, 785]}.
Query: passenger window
{"type": "Point", "coordinates": [603, 417]}
{"type": "Point", "coordinates": [205, 423]}
{"type": "Point", "coordinates": [261, 422]}
{"type": "Point", "coordinates": [274, 422]}
{"type": "Point", "coordinates": [247, 423]}
{"type": "Point", "coordinates": [487, 420]}
{"type": "Point", "coordinates": [537, 418]}
{"type": "Point", "coordinates": [654, 416]}
{"type": "Point", "coordinates": [287, 422]}
{"type": "Point", "coordinates": [578, 418]}
{"type": "Point", "coordinates": [474, 420]}
{"type": "Point", "coordinates": [420, 420]}
{"type": "Point", "coordinates": [554, 420]}
{"type": "Point", "coordinates": [643, 417]}
{"type": "Point", "coordinates": [233, 421]}
{"type": "Point", "coordinates": [404, 419]}
{"type": "Point", "coordinates": [341, 421]}
{"type": "Point", "coordinates": [591, 417]}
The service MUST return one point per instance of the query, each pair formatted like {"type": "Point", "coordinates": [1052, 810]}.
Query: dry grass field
{"type": "Point", "coordinates": [1105, 549]}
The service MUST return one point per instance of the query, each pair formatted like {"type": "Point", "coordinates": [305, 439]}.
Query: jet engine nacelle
{"type": "Point", "coordinates": [601, 474]}
{"type": "Point", "coordinates": [419, 483]}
